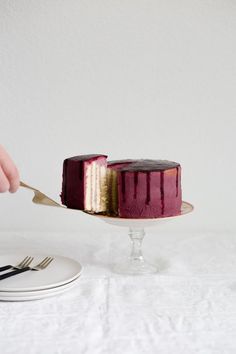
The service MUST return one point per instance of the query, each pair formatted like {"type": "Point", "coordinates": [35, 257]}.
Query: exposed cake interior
{"type": "Point", "coordinates": [112, 192]}
{"type": "Point", "coordinates": [95, 186]}
{"type": "Point", "coordinates": [112, 185]}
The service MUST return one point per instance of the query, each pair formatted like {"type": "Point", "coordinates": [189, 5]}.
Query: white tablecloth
{"type": "Point", "coordinates": [188, 307]}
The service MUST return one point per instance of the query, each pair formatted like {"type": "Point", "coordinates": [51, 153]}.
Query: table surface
{"type": "Point", "coordinates": [188, 307]}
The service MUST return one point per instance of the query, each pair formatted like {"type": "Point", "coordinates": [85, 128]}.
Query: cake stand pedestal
{"type": "Point", "coordinates": [136, 264]}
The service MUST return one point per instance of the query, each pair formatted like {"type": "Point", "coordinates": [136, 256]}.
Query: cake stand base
{"type": "Point", "coordinates": [135, 264]}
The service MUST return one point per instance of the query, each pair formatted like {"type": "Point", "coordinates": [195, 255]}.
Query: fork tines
{"type": "Point", "coordinates": [26, 261]}
{"type": "Point", "coordinates": [45, 262]}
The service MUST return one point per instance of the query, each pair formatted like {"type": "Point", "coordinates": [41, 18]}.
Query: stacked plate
{"type": "Point", "coordinates": [60, 276]}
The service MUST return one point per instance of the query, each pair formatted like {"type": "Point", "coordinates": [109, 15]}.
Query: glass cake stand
{"type": "Point", "coordinates": [135, 264]}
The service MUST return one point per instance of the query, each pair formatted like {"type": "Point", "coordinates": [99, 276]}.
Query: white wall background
{"type": "Point", "coordinates": [150, 79]}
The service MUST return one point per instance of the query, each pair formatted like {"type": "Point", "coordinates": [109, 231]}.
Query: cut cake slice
{"type": "Point", "coordinates": [84, 183]}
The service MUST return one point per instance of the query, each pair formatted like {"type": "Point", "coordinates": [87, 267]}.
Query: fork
{"type": "Point", "coordinates": [42, 265]}
{"type": "Point", "coordinates": [24, 263]}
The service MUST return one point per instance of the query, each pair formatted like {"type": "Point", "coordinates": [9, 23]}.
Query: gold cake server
{"type": "Point", "coordinates": [41, 198]}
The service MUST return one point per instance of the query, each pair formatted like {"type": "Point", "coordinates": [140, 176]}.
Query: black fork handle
{"type": "Point", "coordinates": [14, 272]}
{"type": "Point", "coordinates": [5, 268]}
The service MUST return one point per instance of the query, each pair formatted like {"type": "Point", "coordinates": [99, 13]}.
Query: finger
{"type": "Point", "coordinates": [12, 175]}
{"type": "Point", "coordinates": [10, 170]}
{"type": "Point", "coordinates": [4, 183]}
{"type": "Point", "coordinates": [14, 181]}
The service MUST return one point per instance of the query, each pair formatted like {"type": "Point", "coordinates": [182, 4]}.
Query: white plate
{"type": "Point", "coordinates": [37, 292]}
{"type": "Point", "coordinates": [37, 295]}
{"type": "Point", "coordinates": [61, 270]}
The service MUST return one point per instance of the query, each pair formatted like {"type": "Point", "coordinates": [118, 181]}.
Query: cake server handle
{"type": "Point", "coordinates": [39, 197]}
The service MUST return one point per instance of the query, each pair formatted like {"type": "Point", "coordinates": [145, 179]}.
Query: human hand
{"type": "Point", "coordinates": [9, 175]}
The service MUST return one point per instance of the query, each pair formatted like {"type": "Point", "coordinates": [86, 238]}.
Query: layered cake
{"type": "Point", "coordinates": [124, 188]}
